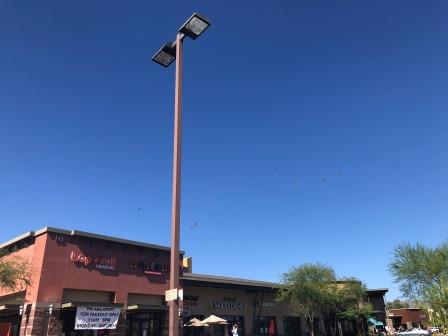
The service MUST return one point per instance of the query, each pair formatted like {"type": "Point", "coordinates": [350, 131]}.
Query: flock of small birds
{"type": "Point", "coordinates": [339, 173]}
{"type": "Point", "coordinates": [297, 180]}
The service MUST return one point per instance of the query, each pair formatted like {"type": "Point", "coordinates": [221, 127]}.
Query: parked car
{"type": "Point", "coordinates": [434, 329]}
{"type": "Point", "coordinates": [414, 332]}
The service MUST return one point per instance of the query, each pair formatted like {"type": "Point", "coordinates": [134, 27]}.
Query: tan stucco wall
{"type": "Point", "coordinates": [206, 301]}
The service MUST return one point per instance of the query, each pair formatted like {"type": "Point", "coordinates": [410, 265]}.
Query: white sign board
{"type": "Point", "coordinates": [96, 317]}
{"type": "Point", "coordinates": [171, 294]}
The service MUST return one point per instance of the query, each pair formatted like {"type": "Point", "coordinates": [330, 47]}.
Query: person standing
{"type": "Point", "coordinates": [235, 330]}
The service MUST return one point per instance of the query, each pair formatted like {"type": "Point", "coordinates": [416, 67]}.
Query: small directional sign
{"type": "Point", "coordinates": [171, 294]}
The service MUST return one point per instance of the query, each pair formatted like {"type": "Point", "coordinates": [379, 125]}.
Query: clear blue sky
{"type": "Point", "coordinates": [313, 130]}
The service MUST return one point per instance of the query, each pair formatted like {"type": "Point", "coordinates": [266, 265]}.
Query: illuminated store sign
{"type": "Point", "coordinates": [148, 267]}
{"type": "Point", "coordinates": [102, 263]}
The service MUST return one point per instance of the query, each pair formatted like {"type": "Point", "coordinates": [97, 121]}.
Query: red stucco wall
{"type": "Point", "coordinates": [59, 271]}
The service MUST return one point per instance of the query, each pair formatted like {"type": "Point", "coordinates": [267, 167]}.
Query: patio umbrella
{"type": "Point", "coordinates": [213, 319]}
{"type": "Point", "coordinates": [374, 322]}
{"type": "Point", "coordinates": [271, 328]}
{"type": "Point", "coordinates": [198, 324]}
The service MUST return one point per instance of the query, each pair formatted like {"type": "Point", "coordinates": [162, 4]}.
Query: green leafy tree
{"type": "Point", "coordinates": [422, 273]}
{"type": "Point", "coordinates": [359, 315]}
{"type": "Point", "coordinates": [15, 272]}
{"type": "Point", "coordinates": [307, 289]}
{"type": "Point", "coordinates": [347, 295]}
{"type": "Point", "coordinates": [397, 304]}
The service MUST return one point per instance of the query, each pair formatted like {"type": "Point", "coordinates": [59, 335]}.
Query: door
{"type": "Point", "coordinates": [144, 324]}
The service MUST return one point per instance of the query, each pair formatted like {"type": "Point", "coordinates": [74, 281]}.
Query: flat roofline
{"type": "Point", "coordinates": [17, 239]}
{"type": "Point", "coordinates": [77, 233]}
{"type": "Point", "coordinates": [382, 290]}
{"type": "Point", "coordinates": [228, 280]}
{"type": "Point", "coordinates": [246, 282]}
{"type": "Point", "coordinates": [406, 308]}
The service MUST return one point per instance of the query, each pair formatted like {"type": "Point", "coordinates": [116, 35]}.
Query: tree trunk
{"type": "Point", "coordinates": [310, 322]}
{"type": "Point", "coordinates": [340, 333]}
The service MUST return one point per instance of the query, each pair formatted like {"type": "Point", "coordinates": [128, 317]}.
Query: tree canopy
{"type": "Point", "coordinates": [311, 289]}
{"type": "Point", "coordinates": [15, 272]}
{"type": "Point", "coordinates": [422, 273]}
{"type": "Point", "coordinates": [396, 304]}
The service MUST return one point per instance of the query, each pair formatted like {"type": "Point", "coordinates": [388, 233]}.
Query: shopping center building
{"type": "Point", "coordinates": [83, 281]}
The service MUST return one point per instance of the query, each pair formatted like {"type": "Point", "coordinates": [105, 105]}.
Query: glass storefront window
{"type": "Point", "coordinates": [292, 326]}
{"type": "Point", "coordinates": [193, 331]}
{"type": "Point", "coordinates": [316, 324]}
{"type": "Point", "coordinates": [232, 319]}
{"type": "Point", "coordinates": [68, 326]}
{"type": "Point", "coordinates": [264, 325]}
{"type": "Point", "coordinates": [144, 324]}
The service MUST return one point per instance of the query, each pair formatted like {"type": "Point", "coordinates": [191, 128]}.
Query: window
{"type": "Point", "coordinates": [145, 324]}
{"type": "Point", "coordinates": [232, 319]}
{"type": "Point", "coordinates": [68, 326]}
{"type": "Point", "coordinates": [347, 327]}
{"type": "Point", "coordinates": [292, 326]}
{"type": "Point", "coordinates": [193, 331]}
{"type": "Point", "coordinates": [264, 325]}
{"type": "Point", "coordinates": [316, 325]}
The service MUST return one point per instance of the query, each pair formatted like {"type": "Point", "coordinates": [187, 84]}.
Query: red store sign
{"type": "Point", "coordinates": [102, 263]}
{"type": "Point", "coordinates": [148, 267]}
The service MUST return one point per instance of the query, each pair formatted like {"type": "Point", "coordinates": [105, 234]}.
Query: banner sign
{"type": "Point", "coordinates": [96, 317]}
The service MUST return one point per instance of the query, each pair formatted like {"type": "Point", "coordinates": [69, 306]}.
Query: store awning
{"type": "Point", "coordinates": [136, 307]}
{"type": "Point", "coordinates": [74, 304]}
{"type": "Point", "coordinates": [374, 322]}
{"type": "Point", "coordinates": [10, 307]}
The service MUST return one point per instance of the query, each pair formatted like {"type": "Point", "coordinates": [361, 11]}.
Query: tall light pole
{"type": "Point", "coordinates": [194, 27]}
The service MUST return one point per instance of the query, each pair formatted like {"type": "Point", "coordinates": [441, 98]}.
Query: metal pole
{"type": "Point", "coordinates": [175, 210]}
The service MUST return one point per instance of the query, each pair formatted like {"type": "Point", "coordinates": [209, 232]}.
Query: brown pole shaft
{"type": "Point", "coordinates": [175, 210]}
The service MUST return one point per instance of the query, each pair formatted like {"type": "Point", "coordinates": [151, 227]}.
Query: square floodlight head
{"type": "Point", "coordinates": [166, 55]}
{"type": "Point", "coordinates": [194, 26]}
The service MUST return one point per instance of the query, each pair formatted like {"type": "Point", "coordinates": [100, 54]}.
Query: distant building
{"type": "Point", "coordinates": [407, 317]}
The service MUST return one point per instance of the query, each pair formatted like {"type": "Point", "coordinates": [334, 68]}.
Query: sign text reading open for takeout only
{"type": "Point", "coordinates": [96, 317]}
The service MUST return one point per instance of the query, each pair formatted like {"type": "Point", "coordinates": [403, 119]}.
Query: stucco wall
{"type": "Point", "coordinates": [206, 301]}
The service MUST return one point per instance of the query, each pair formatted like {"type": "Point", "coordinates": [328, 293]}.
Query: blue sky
{"type": "Point", "coordinates": [313, 130]}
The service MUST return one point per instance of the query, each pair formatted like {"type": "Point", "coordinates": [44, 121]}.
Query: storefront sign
{"type": "Point", "coordinates": [148, 267]}
{"type": "Point", "coordinates": [230, 304]}
{"type": "Point", "coordinates": [191, 300]}
{"type": "Point", "coordinates": [102, 263]}
{"type": "Point", "coordinates": [263, 303]}
{"type": "Point", "coordinates": [96, 318]}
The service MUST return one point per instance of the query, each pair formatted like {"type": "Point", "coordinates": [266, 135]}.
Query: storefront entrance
{"type": "Point", "coordinates": [144, 324]}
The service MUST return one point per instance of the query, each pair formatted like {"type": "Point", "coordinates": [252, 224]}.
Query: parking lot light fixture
{"type": "Point", "coordinates": [166, 55]}
{"type": "Point", "coordinates": [194, 26]}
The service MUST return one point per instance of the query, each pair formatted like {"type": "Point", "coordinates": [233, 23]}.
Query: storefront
{"type": "Point", "coordinates": [249, 304]}
{"type": "Point", "coordinates": [90, 285]}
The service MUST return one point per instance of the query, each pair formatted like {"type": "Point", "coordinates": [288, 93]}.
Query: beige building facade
{"type": "Point", "coordinates": [250, 304]}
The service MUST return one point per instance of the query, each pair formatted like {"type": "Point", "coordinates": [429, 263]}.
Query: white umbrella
{"type": "Point", "coordinates": [198, 324]}
{"type": "Point", "coordinates": [213, 319]}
